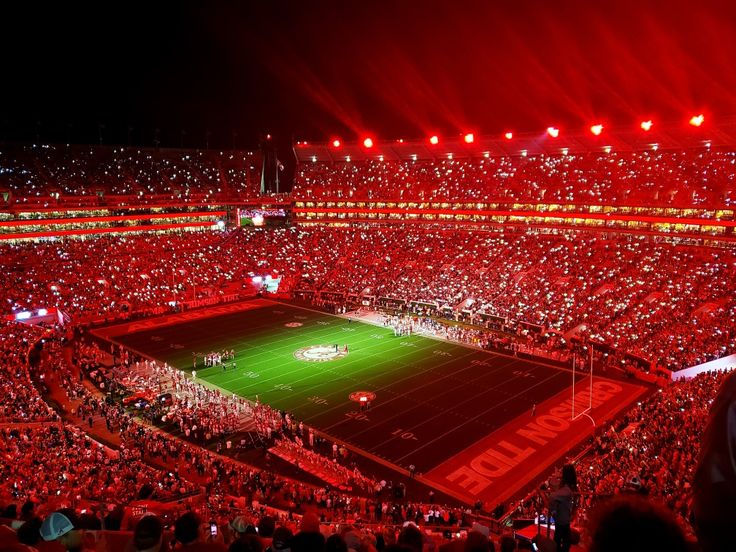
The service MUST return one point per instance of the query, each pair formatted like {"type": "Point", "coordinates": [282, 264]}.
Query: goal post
{"type": "Point", "coordinates": [586, 398]}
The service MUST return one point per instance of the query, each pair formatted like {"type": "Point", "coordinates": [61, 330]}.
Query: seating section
{"type": "Point", "coordinates": [57, 173]}
{"type": "Point", "coordinates": [668, 303]}
{"type": "Point", "coordinates": [680, 178]}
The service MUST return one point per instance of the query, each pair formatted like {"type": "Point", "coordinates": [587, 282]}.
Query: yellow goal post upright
{"type": "Point", "coordinates": [585, 408]}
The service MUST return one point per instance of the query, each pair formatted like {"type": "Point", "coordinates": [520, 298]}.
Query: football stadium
{"type": "Point", "coordinates": [319, 278]}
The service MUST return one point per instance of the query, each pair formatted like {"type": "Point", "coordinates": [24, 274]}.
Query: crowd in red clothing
{"type": "Point", "coordinates": [665, 302]}
{"type": "Point", "coordinates": [110, 276]}
{"type": "Point", "coordinates": [220, 475]}
{"type": "Point", "coordinates": [51, 462]}
{"type": "Point", "coordinates": [54, 464]}
{"type": "Point", "coordinates": [21, 402]}
{"type": "Point", "coordinates": [682, 178]}
{"type": "Point", "coordinates": [679, 178]}
{"type": "Point", "coordinates": [60, 464]}
{"type": "Point", "coordinates": [55, 172]}
{"type": "Point", "coordinates": [671, 304]}
{"type": "Point", "coordinates": [199, 413]}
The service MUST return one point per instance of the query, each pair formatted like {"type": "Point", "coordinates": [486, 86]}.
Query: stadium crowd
{"type": "Point", "coordinates": [50, 461]}
{"type": "Point", "coordinates": [697, 179]}
{"type": "Point", "coordinates": [667, 303]}
{"type": "Point", "coordinates": [205, 416]}
{"type": "Point", "coordinates": [21, 403]}
{"type": "Point", "coordinates": [680, 178]}
{"type": "Point", "coordinates": [672, 304]}
{"type": "Point", "coordinates": [57, 465]}
{"type": "Point", "coordinates": [645, 462]}
{"type": "Point", "coordinates": [55, 172]}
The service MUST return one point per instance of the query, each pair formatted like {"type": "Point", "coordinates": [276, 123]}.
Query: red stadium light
{"type": "Point", "coordinates": [336, 143]}
{"type": "Point", "coordinates": [697, 120]}
{"type": "Point", "coordinates": [368, 142]}
{"type": "Point", "coordinates": [554, 132]}
{"type": "Point", "coordinates": [434, 140]}
{"type": "Point", "coordinates": [508, 135]}
{"type": "Point", "coordinates": [469, 138]}
{"type": "Point", "coordinates": [646, 126]}
{"type": "Point", "coordinates": [596, 129]}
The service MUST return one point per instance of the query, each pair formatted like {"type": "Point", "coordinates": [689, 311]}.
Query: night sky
{"type": "Point", "coordinates": [227, 72]}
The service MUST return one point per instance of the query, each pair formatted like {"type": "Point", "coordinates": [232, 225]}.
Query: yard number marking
{"type": "Point", "coordinates": [317, 400]}
{"type": "Point", "coordinates": [406, 435]}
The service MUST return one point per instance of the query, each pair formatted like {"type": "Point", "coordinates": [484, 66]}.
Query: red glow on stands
{"type": "Point", "coordinates": [508, 135]}
{"type": "Point", "coordinates": [434, 140]}
{"type": "Point", "coordinates": [368, 142]}
{"type": "Point", "coordinates": [115, 218]}
{"type": "Point", "coordinates": [336, 143]}
{"type": "Point", "coordinates": [111, 230]}
{"type": "Point", "coordinates": [697, 120]}
{"type": "Point", "coordinates": [646, 126]}
{"type": "Point", "coordinates": [554, 132]}
{"type": "Point", "coordinates": [469, 138]}
{"type": "Point", "coordinates": [596, 129]}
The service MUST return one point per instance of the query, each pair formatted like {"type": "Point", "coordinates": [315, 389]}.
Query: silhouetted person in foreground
{"type": "Point", "coordinates": [714, 484]}
{"type": "Point", "coordinates": [630, 523]}
{"type": "Point", "coordinates": [560, 506]}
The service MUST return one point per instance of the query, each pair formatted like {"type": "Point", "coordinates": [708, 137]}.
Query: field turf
{"type": "Point", "coordinates": [433, 398]}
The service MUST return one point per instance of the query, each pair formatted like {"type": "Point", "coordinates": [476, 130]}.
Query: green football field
{"type": "Point", "coordinates": [432, 398]}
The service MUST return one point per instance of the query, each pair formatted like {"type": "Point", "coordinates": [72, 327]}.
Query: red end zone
{"type": "Point", "coordinates": [503, 462]}
{"type": "Point", "coordinates": [108, 332]}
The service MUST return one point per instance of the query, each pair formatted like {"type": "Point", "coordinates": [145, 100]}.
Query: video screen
{"type": "Point", "coordinates": [261, 217]}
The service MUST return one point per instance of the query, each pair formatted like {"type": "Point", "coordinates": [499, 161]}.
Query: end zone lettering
{"type": "Point", "coordinates": [498, 460]}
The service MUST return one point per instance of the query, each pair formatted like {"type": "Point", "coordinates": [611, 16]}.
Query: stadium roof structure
{"type": "Point", "coordinates": [660, 137]}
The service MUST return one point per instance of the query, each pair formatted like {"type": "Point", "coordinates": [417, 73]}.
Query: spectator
{"type": "Point", "coordinates": [248, 543]}
{"type": "Point", "coordinates": [148, 535]}
{"type": "Point", "coordinates": [411, 537]}
{"type": "Point", "coordinates": [335, 543]}
{"type": "Point", "coordinates": [65, 528]}
{"type": "Point", "coordinates": [192, 536]}
{"type": "Point", "coordinates": [560, 505]}
{"type": "Point", "coordinates": [281, 541]}
{"type": "Point", "coordinates": [507, 543]}
{"type": "Point", "coordinates": [636, 525]}
{"type": "Point", "coordinates": [478, 542]}
{"type": "Point", "coordinates": [714, 495]}
{"type": "Point", "coordinates": [309, 538]}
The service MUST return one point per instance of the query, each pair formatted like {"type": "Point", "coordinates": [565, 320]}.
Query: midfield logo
{"type": "Point", "coordinates": [320, 353]}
